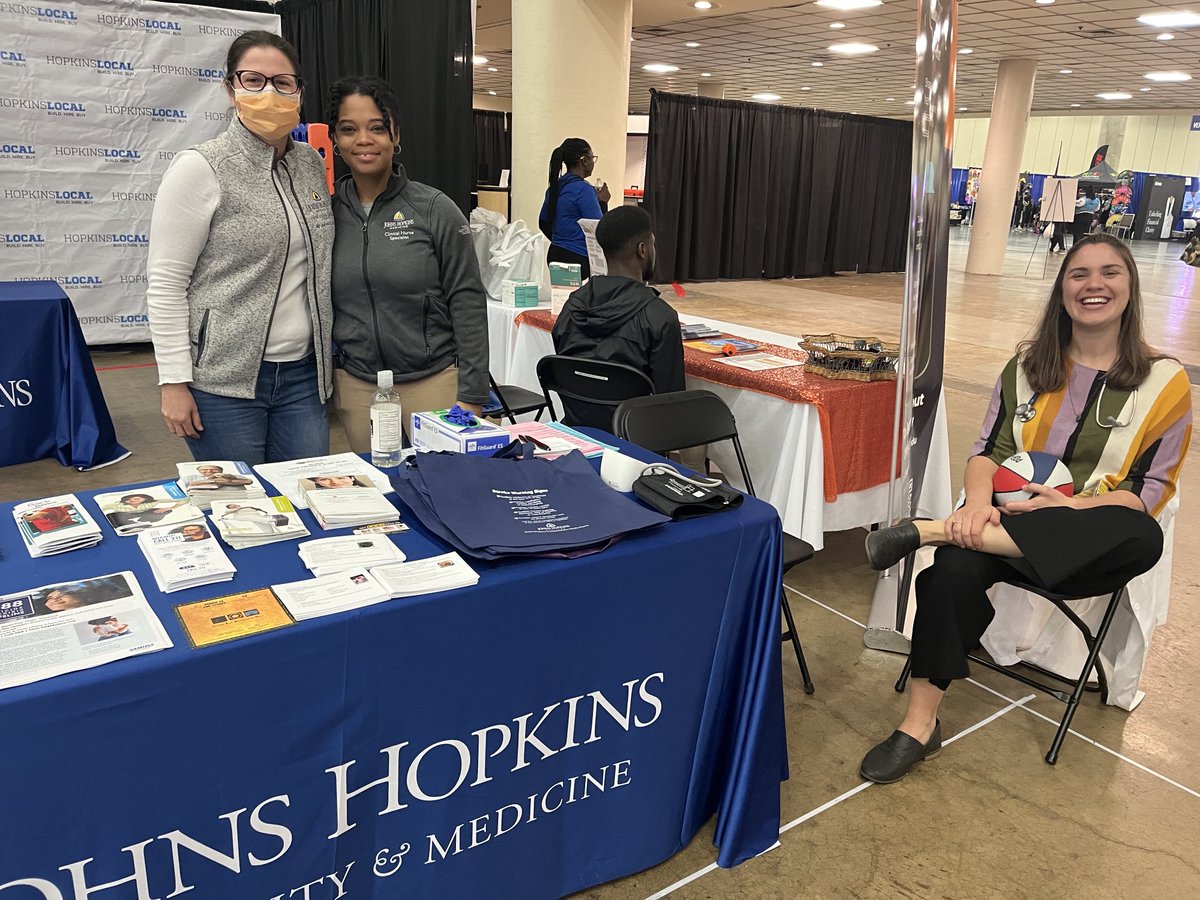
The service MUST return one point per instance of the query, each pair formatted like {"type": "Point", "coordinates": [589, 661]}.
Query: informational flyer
{"type": "Point", "coordinates": [69, 626]}
{"type": "Point", "coordinates": [286, 475]}
{"type": "Point", "coordinates": [233, 616]}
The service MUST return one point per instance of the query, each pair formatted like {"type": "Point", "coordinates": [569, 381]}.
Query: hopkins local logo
{"type": "Point", "coordinates": [14, 58]}
{"type": "Point", "coordinates": [72, 109]}
{"type": "Point", "coordinates": [126, 155]}
{"type": "Point", "coordinates": [132, 320]}
{"type": "Point", "coordinates": [101, 66]}
{"type": "Point", "coordinates": [21, 241]}
{"type": "Point", "coordinates": [200, 74]}
{"type": "Point", "coordinates": [85, 282]}
{"type": "Point", "coordinates": [80, 198]}
{"type": "Point", "coordinates": [139, 23]}
{"type": "Point", "coordinates": [140, 241]}
{"type": "Point", "coordinates": [50, 15]}
{"type": "Point", "coordinates": [16, 150]}
{"type": "Point", "coordinates": [155, 113]}
{"type": "Point", "coordinates": [394, 793]}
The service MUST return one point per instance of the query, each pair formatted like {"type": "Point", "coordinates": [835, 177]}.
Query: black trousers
{"type": "Point", "coordinates": [1088, 552]}
{"type": "Point", "coordinates": [562, 255]}
{"type": "Point", "coordinates": [1059, 237]}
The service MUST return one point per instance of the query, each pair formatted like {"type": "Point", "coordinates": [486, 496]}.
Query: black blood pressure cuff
{"type": "Point", "coordinates": [683, 498]}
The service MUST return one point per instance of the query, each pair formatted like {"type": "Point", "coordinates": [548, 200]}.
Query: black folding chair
{"type": "Point", "coordinates": [1077, 685]}
{"type": "Point", "coordinates": [513, 400]}
{"type": "Point", "coordinates": [594, 381]}
{"type": "Point", "coordinates": [665, 422]}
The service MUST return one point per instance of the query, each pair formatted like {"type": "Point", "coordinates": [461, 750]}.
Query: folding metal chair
{"type": "Point", "coordinates": [598, 382]}
{"type": "Point", "coordinates": [665, 422]}
{"type": "Point", "coordinates": [1077, 685]}
{"type": "Point", "coordinates": [511, 401]}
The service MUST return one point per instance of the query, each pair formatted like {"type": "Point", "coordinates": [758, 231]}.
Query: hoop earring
{"type": "Point", "coordinates": [396, 150]}
{"type": "Point", "coordinates": [337, 151]}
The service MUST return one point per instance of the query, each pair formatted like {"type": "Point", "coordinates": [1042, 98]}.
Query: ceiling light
{"type": "Point", "coordinates": [493, 69]}
{"type": "Point", "coordinates": [1073, 105]}
{"type": "Point", "coordinates": [853, 49]}
{"type": "Point", "coordinates": [1043, 2]}
{"type": "Point", "coordinates": [660, 68]}
{"type": "Point", "coordinates": [910, 102]}
{"type": "Point", "coordinates": [836, 25]}
{"type": "Point", "coordinates": [890, 99]}
{"type": "Point", "coordinates": [691, 44]}
{"type": "Point", "coordinates": [1168, 76]}
{"type": "Point", "coordinates": [963, 109]}
{"type": "Point", "coordinates": [1143, 90]}
{"type": "Point", "coordinates": [1165, 36]}
{"type": "Point", "coordinates": [818, 64]}
{"type": "Point", "coordinates": [706, 74]}
{"type": "Point", "coordinates": [1177, 19]}
{"type": "Point", "coordinates": [966, 51]}
{"type": "Point", "coordinates": [493, 93]}
{"type": "Point", "coordinates": [479, 60]}
{"type": "Point", "coordinates": [1115, 95]}
{"type": "Point", "coordinates": [704, 4]}
{"type": "Point", "coordinates": [1064, 71]}
{"type": "Point", "coordinates": [765, 97]}
{"type": "Point", "coordinates": [806, 88]}
{"type": "Point", "coordinates": [846, 5]}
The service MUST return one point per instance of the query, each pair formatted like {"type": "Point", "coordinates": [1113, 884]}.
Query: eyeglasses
{"type": "Point", "coordinates": [593, 157]}
{"type": "Point", "coordinates": [249, 80]}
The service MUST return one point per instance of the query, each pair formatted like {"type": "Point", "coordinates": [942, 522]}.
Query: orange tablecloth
{"type": "Point", "coordinates": [856, 416]}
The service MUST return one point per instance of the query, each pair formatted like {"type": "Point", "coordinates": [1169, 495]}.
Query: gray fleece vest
{"type": "Point", "coordinates": [235, 285]}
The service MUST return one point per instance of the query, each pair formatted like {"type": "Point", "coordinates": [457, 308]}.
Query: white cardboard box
{"type": "Point", "coordinates": [430, 432]}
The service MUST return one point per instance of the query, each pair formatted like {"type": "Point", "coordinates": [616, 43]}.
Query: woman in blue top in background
{"type": "Point", "coordinates": [570, 198]}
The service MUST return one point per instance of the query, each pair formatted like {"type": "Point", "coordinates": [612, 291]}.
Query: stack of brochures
{"type": "Point", "coordinates": [136, 509]}
{"type": "Point", "coordinates": [286, 476]}
{"type": "Point", "coordinates": [55, 525]}
{"type": "Point", "coordinates": [554, 439]}
{"type": "Point", "coordinates": [722, 345]}
{"type": "Point", "coordinates": [206, 482]}
{"type": "Point", "coordinates": [252, 523]}
{"type": "Point", "coordinates": [184, 556]}
{"type": "Point", "coordinates": [340, 554]}
{"type": "Point", "coordinates": [341, 499]}
{"type": "Point", "coordinates": [425, 576]}
{"type": "Point", "coordinates": [696, 330]}
{"type": "Point", "coordinates": [330, 594]}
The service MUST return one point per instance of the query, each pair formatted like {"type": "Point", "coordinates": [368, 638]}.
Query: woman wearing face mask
{"type": "Point", "coordinates": [407, 294]}
{"type": "Point", "coordinates": [240, 252]}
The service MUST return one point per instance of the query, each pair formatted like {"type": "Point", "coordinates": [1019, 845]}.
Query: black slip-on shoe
{"type": "Point", "coordinates": [891, 760]}
{"type": "Point", "coordinates": [887, 546]}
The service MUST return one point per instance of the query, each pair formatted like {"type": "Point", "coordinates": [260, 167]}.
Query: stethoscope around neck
{"type": "Point", "coordinates": [1025, 412]}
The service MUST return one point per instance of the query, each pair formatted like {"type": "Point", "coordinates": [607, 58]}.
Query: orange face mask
{"type": "Point", "coordinates": [268, 114]}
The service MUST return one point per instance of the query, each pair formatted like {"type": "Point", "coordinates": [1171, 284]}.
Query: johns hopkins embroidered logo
{"type": "Point", "coordinates": [398, 217]}
{"type": "Point", "coordinates": [399, 228]}
{"type": "Point", "coordinates": [316, 196]}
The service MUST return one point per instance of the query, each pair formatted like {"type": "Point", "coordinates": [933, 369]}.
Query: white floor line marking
{"type": "Point", "coordinates": [1034, 712]}
{"type": "Point", "coordinates": [857, 789]}
{"type": "Point", "coordinates": [823, 606]}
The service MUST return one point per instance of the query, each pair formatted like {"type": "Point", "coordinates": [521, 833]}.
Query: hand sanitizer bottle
{"type": "Point", "coordinates": [385, 423]}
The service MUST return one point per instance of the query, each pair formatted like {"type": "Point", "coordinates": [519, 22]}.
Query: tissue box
{"type": "Point", "coordinates": [521, 294]}
{"type": "Point", "coordinates": [430, 431]}
{"type": "Point", "coordinates": [565, 279]}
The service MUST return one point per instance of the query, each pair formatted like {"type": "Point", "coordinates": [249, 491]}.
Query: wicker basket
{"type": "Point", "coordinates": [850, 358]}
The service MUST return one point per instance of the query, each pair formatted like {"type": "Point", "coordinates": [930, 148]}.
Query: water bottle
{"type": "Point", "coordinates": [385, 423]}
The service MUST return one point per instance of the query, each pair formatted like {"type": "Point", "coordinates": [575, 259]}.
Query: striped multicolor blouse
{"type": "Point", "coordinates": [1142, 451]}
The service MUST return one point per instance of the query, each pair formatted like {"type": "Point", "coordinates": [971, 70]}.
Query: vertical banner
{"type": "Point", "coordinates": [96, 98]}
{"type": "Point", "coordinates": [923, 322]}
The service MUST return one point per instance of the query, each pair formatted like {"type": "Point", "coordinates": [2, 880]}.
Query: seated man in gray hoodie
{"type": "Point", "coordinates": [618, 317]}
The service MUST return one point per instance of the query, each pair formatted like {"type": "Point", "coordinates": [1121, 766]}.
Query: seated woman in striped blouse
{"type": "Point", "coordinates": [1088, 390]}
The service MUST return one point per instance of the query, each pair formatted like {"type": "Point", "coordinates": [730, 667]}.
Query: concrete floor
{"type": "Point", "coordinates": [1119, 816]}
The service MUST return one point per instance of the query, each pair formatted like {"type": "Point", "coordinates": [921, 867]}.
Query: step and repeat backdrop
{"type": "Point", "coordinates": [96, 98]}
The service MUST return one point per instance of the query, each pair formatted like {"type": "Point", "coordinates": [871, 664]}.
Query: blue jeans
{"type": "Point", "coordinates": [285, 420]}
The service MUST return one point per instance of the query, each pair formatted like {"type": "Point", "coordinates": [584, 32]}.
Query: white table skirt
{"type": "Point", "coordinates": [781, 440]}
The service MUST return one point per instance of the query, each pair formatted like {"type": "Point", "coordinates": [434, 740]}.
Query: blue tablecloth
{"type": "Point", "coordinates": [50, 399]}
{"type": "Point", "coordinates": [558, 725]}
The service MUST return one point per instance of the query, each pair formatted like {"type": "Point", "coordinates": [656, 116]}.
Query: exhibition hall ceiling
{"type": "Point", "coordinates": [757, 46]}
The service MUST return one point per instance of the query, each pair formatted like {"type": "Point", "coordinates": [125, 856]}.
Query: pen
{"type": "Point", "coordinates": [531, 440]}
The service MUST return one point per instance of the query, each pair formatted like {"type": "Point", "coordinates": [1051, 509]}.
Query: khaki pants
{"type": "Point", "coordinates": [352, 400]}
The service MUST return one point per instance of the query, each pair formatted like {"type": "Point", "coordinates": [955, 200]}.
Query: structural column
{"type": "Point", "coordinates": [708, 88]}
{"type": "Point", "coordinates": [570, 79]}
{"type": "Point", "coordinates": [1001, 166]}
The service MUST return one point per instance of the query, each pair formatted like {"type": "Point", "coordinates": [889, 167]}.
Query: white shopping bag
{"type": "Point", "coordinates": [519, 255]}
{"type": "Point", "coordinates": [486, 227]}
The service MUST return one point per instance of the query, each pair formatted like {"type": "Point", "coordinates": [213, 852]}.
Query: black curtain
{"type": "Point", "coordinates": [746, 190]}
{"type": "Point", "coordinates": [493, 145]}
{"type": "Point", "coordinates": [423, 49]}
